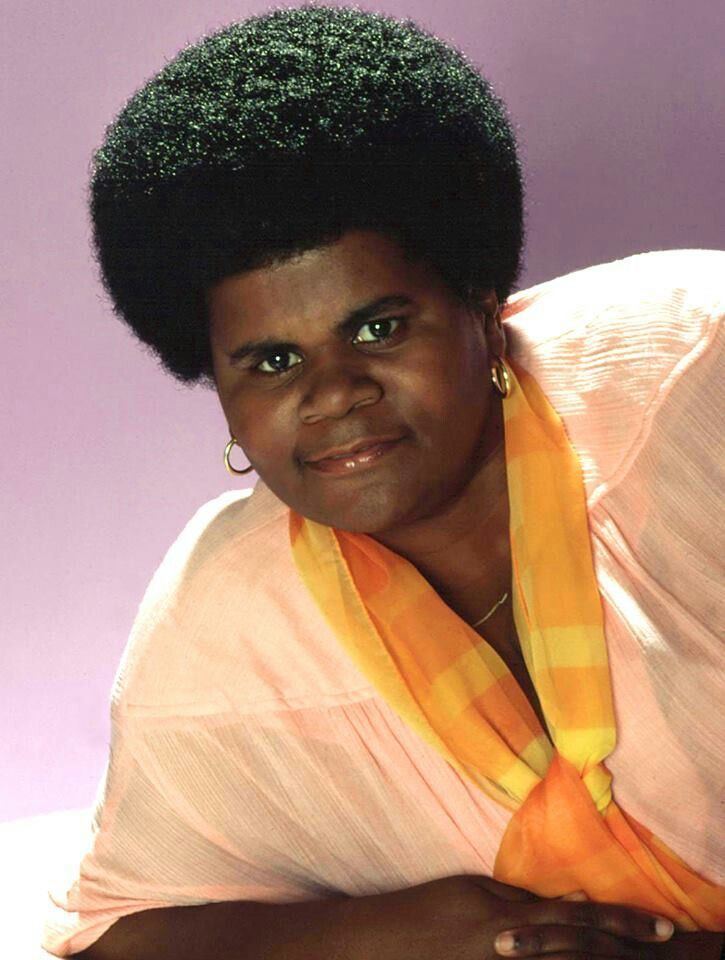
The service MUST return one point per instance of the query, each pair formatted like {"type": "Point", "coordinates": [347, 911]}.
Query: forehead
{"type": "Point", "coordinates": [318, 286]}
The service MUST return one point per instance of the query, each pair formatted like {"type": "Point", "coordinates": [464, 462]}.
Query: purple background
{"type": "Point", "coordinates": [620, 112]}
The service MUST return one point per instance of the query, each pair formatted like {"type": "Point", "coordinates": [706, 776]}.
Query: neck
{"type": "Point", "coordinates": [463, 550]}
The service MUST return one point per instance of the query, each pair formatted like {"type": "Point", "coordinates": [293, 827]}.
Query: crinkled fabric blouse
{"type": "Point", "coordinates": [251, 760]}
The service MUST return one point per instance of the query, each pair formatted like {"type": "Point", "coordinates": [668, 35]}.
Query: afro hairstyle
{"type": "Point", "coordinates": [276, 135]}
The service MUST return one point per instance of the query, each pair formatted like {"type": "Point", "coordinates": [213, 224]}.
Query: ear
{"type": "Point", "coordinates": [496, 335]}
{"type": "Point", "coordinates": [493, 329]}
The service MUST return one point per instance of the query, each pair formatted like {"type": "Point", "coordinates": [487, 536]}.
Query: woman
{"type": "Point", "coordinates": [443, 686]}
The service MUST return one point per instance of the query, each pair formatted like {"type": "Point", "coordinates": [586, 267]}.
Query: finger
{"type": "Point", "coordinates": [615, 919]}
{"type": "Point", "coordinates": [578, 895]}
{"type": "Point", "coordinates": [545, 941]}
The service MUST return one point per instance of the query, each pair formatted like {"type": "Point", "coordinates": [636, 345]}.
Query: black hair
{"type": "Point", "coordinates": [278, 134]}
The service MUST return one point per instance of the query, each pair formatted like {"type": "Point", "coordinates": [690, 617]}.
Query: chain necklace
{"type": "Point", "coordinates": [492, 610]}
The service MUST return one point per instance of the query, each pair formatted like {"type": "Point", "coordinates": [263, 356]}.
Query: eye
{"type": "Point", "coordinates": [277, 362]}
{"type": "Point", "coordinates": [281, 361]}
{"type": "Point", "coordinates": [381, 330]}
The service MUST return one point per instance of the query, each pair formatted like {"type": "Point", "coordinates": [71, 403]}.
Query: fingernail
{"type": "Point", "coordinates": [664, 928]}
{"type": "Point", "coordinates": [579, 895]}
{"type": "Point", "coordinates": [506, 943]}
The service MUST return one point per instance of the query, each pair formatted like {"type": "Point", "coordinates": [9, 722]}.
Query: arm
{"type": "Point", "coordinates": [459, 916]}
{"type": "Point", "coordinates": [234, 930]}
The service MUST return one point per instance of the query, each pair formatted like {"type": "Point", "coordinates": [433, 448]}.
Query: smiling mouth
{"type": "Point", "coordinates": [347, 464]}
{"type": "Point", "coordinates": [364, 443]}
{"type": "Point", "coordinates": [353, 453]}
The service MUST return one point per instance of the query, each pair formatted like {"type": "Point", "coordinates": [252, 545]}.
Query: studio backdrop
{"type": "Point", "coordinates": [620, 116]}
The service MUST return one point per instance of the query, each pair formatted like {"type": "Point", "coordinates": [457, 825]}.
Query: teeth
{"type": "Point", "coordinates": [347, 456]}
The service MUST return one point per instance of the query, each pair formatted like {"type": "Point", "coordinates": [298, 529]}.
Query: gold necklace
{"type": "Point", "coordinates": [492, 610]}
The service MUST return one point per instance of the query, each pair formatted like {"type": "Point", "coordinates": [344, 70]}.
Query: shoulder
{"type": "Point", "coordinates": [210, 540]}
{"type": "Point", "coordinates": [222, 619]}
{"type": "Point", "coordinates": [644, 280]}
{"type": "Point", "coordinates": [200, 582]}
{"type": "Point", "coordinates": [606, 344]}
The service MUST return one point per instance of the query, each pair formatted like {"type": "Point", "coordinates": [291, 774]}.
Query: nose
{"type": "Point", "coordinates": [336, 386]}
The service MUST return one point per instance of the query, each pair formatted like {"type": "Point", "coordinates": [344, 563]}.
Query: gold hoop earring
{"type": "Point", "coordinates": [228, 465]}
{"type": "Point", "coordinates": [500, 377]}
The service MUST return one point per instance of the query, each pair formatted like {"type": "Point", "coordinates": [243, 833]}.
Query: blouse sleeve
{"type": "Point", "coordinates": [189, 812]}
{"type": "Point", "coordinates": [659, 537]}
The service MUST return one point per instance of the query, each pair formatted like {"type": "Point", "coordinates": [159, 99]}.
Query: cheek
{"type": "Point", "coordinates": [261, 429]}
{"type": "Point", "coordinates": [445, 402]}
{"type": "Point", "coordinates": [264, 440]}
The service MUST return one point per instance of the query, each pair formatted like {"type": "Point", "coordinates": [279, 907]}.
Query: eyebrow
{"type": "Point", "coordinates": [354, 319]}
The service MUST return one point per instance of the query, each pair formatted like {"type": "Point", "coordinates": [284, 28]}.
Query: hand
{"type": "Point", "coordinates": [476, 918]}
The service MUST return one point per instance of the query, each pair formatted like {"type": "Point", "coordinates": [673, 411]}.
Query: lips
{"type": "Point", "coordinates": [358, 462]}
{"type": "Point", "coordinates": [342, 452]}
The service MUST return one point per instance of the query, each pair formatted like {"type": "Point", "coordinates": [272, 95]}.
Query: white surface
{"type": "Point", "coordinates": [33, 850]}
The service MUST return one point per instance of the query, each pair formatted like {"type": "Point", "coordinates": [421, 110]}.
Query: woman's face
{"type": "Point", "coordinates": [352, 344]}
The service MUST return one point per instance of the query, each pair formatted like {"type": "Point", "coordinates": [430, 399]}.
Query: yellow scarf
{"type": "Point", "coordinates": [566, 834]}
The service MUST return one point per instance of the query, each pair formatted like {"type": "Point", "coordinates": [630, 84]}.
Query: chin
{"type": "Point", "coordinates": [372, 512]}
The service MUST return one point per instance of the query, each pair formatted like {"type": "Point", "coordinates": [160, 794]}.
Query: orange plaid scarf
{"type": "Point", "coordinates": [566, 834]}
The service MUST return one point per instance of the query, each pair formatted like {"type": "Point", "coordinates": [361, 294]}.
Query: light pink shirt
{"type": "Point", "coordinates": [250, 759]}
